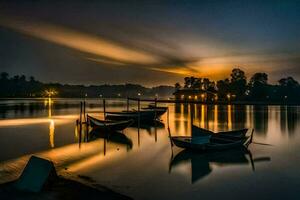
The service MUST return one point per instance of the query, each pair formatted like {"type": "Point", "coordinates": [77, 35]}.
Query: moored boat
{"type": "Point", "coordinates": [159, 111]}
{"type": "Point", "coordinates": [209, 142]}
{"type": "Point", "coordinates": [235, 134]}
{"type": "Point", "coordinates": [108, 125]}
{"type": "Point", "coordinates": [143, 115]}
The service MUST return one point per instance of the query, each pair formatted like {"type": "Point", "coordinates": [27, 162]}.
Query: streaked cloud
{"type": "Point", "coordinates": [87, 43]}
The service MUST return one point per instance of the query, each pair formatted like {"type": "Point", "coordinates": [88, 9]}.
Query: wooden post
{"type": "Point", "coordinates": [104, 109]}
{"type": "Point", "coordinates": [84, 110]}
{"type": "Point", "coordinates": [168, 117]}
{"type": "Point", "coordinates": [87, 129]}
{"type": "Point", "coordinates": [139, 111]}
{"type": "Point", "coordinates": [155, 105]}
{"type": "Point", "coordinates": [139, 121]}
{"type": "Point", "coordinates": [127, 104]}
{"type": "Point", "coordinates": [80, 122]}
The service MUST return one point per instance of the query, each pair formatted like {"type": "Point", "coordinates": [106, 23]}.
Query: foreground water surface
{"type": "Point", "coordinates": [141, 162]}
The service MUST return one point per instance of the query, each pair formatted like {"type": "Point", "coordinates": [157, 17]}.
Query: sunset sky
{"type": "Point", "coordinates": [148, 42]}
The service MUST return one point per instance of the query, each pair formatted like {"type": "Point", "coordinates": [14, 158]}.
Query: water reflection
{"type": "Point", "coordinates": [51, 133]}
{"type": "Point", "coordinates": [114, 137]}
{"type": "Point", "coordinates": [200, 164]}
{"type": "Point", "coordinates": [232, 117]}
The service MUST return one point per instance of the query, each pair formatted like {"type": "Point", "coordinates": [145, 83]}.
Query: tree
{"type": "Point", "coordinates": [259, 78]}
{"type": "Point", "coordinates": [177, 86]}
{"type": "Point", "coordinates": [288, 82]}
{"type": "Point", "coordinates": [192, 81]}
{"type": "Point", "coordinates": [197, 83]}
{"type": "Point", "coordinates": [32, 79]}
{"type": "Point", "coordinates": [288, 89]}
{"type": "Point", "coordinates": [223, 88]}
{"type": "Point", "coordinates": [187, 82]}
{"type": "Point", "coordinates": [258, 86]}
{"type": "Point", "coordinates": [205, 83]}
{"type": "Point", "coordinates": [238, 83]}
{"type": "Point", "coordinates": [4, 76]}
{"type": "Point", "coordinates": [23, 78]}
{"type": "Point", "coordinates": [16, 78]}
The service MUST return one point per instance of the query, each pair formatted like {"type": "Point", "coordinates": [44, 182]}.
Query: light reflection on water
{"type": "Point", "coordinates": [141, 163]}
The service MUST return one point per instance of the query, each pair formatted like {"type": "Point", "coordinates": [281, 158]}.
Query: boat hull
{"type": "Point", "coordinates": [215, 144]}
{"type": "Point", "coordinates": [142, 116]}
{"type": "Point", "coordinates": [107, 125]}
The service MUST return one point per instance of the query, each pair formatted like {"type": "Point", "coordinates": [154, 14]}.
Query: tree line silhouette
{"type": "Point", "coordinates": [23, 87]}
{"type": "Point", "coordinates": [257, 89]}
{"type": "Point", "coordinates": [237, 88]}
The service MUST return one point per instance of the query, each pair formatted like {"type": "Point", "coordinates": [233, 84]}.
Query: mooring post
{"type": "Point", "coordinates": [139, 111]}
{"type": "Point", "coordinates": [168, 117]}
{"type": "Point", "coordinates": [87, 129]}
{"type": "Point", "coordinates": [127, 104]}
{"type": "Point", "coordinates": [84, 110]}
{"type": "Point", "coordinates": [139, 120]}
{"type": "Point", "coordinates": [80, 114]}
{"type": "Point", "coordinates": [155, 107]}
{"type": "Point", "coordinates": [80, 121]}
{"type": "Point", "coordinates": [104, 109]}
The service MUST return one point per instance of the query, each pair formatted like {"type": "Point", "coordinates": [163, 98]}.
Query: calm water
{"type": "Point", "coordinates": [142, 164]}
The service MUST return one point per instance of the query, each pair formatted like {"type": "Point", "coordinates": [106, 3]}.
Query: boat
{"type": "Point", "coordinates": [142, 116]}
{"type": "Point", "coordinates": [157, 107]}
{"type": "Point", "coordinates": [211, 142]}
{"type": "Point", "coordinates": [108, 125]}
{"type": "Point", "coordinates": [158, 110]}
{"type": "Point", "coordinates": [235, 134]}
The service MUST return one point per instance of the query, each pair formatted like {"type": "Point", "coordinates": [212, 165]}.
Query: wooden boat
{"type": "Point", "coordinates": [108, 125]}
{"type": "Point", "coordinates": [209, 142]}
{"type": "Point", "coordinates": [143, 115]}
{"type": "Point", "coordinates": [157, 107]}
{"type": "Point", "coordinates": [235, 134]}
{"type": "Point", "coordinates": [159, 110]}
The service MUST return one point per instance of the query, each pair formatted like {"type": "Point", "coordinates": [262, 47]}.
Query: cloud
{"type": "Point", "coordinates": [143, 50]}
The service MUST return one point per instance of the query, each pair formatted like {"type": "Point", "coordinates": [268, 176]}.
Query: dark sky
{"type": "Point", "coordinates": [148, 42]}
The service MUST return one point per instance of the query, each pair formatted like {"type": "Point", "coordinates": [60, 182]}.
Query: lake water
{"type": "Point", "coordinates": [141, 163]}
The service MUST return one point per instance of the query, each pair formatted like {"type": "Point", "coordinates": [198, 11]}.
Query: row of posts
{"type": "Point", "coordinates": [83, 117]}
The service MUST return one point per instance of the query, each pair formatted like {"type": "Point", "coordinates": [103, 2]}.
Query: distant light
{"type": "Point", "coordinates": [86, 94]}
{"type": "Point", "coordinates": [196, 97]}
{"type": "Point", "coordinates": [50, 92]}
{"type": "Point", "coordinates": [100, 95]}
{"type": "Point", "coordinates": [156, 95]}
{"type": "Point", "coordinates": [119, 94]}
{"type": "Point", "coordinates": [182, 96]}
{"type": "Point", "coordinates": [228, 96]}
{"type": "Point", "coordinates": [202, 96]}
{"type": "Point", "coordinates": [190, 97]}
{"type": "Point", "coordinates": [216, 97]}
{"type": "Point", "coordinates": [139, 94]}
{"type": "Point", "coordinates": [285, 97]}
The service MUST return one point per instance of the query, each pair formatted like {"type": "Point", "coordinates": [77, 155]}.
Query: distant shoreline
{"type": "Point", "coordinates": [161, 101]}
